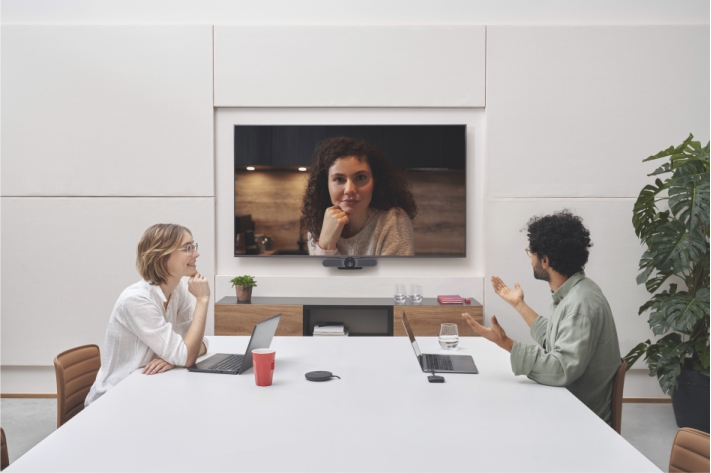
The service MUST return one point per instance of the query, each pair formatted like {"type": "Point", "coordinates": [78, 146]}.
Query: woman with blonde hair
{"type": "Point", "coordinates": [156, 323]}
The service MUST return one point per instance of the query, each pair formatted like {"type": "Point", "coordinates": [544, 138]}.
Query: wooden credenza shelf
{"type": "Point", "coordinates": [298, 314]}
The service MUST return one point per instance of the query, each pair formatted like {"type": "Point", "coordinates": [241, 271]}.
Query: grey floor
{"type": "Point", "coordinates": [650, 428]}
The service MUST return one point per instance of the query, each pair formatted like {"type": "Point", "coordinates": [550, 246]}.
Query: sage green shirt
{"type": "Point", "coordinates": [577, 346]}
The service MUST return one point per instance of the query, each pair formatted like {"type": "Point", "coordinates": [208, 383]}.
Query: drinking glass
{"type": "Point", "coordinates": [415, 293]}
{"type": "Point", "coordinates": [449, 336]}
{"type": "Point", "coordinates": [400, 294]}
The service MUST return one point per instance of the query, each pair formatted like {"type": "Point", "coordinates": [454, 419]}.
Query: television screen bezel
{"type": "Point", "coordinates": [320, 258]}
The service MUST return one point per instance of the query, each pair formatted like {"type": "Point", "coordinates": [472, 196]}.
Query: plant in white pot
{"type": "Point", "coordinates": [671, 217]}
{"type": "Point", "coordinates": [244, 285]}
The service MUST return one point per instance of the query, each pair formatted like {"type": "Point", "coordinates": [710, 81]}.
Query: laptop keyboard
{"type": "Point", "coordinates": [438, 362]}
{"type": "Point", "coordinates": [231, 363]}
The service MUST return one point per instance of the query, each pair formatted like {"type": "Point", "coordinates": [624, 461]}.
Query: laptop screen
{"type": "Point", "coordinates": [410, 334]}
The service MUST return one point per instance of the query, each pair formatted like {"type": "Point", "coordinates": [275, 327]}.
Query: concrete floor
{"type": "Point", "coordinates": [650, 428]}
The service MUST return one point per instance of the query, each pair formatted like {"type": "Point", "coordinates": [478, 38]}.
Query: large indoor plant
{"type": "Point", "coordinates": [671, 217]}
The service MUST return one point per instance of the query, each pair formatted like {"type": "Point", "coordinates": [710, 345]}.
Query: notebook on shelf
{"type": "Point", "coordinates": [453, 299]}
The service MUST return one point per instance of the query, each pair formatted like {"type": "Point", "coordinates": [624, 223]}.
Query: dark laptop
{"type": "Point", "coordinates": [262, 335]}
{"type": "Point", "coordinates": [439, 363]}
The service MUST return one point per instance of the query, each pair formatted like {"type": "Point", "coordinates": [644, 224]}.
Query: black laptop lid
{"type": "Point", "coordinates": [261, 338]}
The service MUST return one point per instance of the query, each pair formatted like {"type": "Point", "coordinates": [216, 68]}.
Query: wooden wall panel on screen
{"type": "Point", "coordinates": [239, 319]}
{"type": "Point", "coordinates": [107, 110]}
{"type": "Point", "coordinates": [426, 320]}
{"type": "Point", "coordinates": [273, 199]}
{"type": "Point", "coordinates": [350, 66]}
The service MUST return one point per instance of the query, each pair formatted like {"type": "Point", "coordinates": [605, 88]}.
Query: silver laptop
{"type": "Point", "coordinates": [223, 363]}
{"type": "Point", "coordinates": [439, 363]}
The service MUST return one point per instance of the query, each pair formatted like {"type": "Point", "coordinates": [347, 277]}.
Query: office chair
{"type": "Point", "coordinates": [76, 371]}
{"type": "Point", "coordinates": [618, 385]}
{"type": "Point", "coordinates": [4, 459]}
{"type": "Point", "coordinates": [690, 451]}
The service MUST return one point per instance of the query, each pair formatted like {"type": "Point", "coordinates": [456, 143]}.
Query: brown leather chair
{"type": "Point", "coordinates": [4, 459]}
{"type": "Point", "coordinates": [76, 371]}
{"type": "Point", "coordinates": [690, 451]}
{"type": "Point", "coordinates": [618, 385]}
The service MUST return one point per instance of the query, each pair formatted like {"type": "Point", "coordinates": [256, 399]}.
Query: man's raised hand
{"type": "Point", "coordinates": [512, 296]}
{"type": "Point", "coordinates": [494, 334]}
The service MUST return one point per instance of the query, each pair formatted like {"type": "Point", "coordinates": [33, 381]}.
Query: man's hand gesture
{"type": "Point", "coordinates": [495, 334]}
{"type": "Point", "coordinates": [513, 297]}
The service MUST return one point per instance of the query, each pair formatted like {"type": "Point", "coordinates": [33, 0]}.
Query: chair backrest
{"type": "Point", "coordinates": [4, 458]}
{"type": "Point", "coordinates": [690, 451]}
{"type": "Point", "coordinates": [76, 371]}
{"type": "Point", "coordinates": [618, 385]}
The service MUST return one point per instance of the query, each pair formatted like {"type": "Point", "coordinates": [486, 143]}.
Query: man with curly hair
{"type": "Point", "coordinates": [577, 344]}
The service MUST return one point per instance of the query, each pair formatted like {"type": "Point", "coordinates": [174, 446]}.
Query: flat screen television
{"type": "Point", "coordinates": [350, 190]}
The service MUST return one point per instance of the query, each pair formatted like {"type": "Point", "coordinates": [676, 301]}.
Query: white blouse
{"type": "Point", "coordinates": [386, 232]}
{"type": "Point", "coordinates": [141, 329]}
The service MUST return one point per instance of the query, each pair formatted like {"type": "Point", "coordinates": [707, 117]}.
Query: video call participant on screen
{"type": "Point", "coordinates": [356, 202]}
{"type": "Point", "coordinates": [156, 323]}
{"type": "Point", "coordinates": [577, 345]}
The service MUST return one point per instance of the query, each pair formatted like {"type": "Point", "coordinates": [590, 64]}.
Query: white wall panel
{"type": "Point", "coordinates": [66, 260]}
{"type": "Point", "coordinates": [28, 379]}
{"type": "Point", "coordinates": [572, 111]}
{"type": "Point", "coordinates": [355, 12]}
{"type": "Point", "coordinates": [612, 264]}
{"type": "Point", "coordinates": [107, 110]}
{"type": "Point", "coordinates": [349, 66]}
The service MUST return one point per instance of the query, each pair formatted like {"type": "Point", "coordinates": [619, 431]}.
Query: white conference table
{"type": "Point", "coordinates": [382, 415]}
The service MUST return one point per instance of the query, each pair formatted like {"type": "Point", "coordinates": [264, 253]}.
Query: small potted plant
{"type": "Point", "coordinates": [244, 285]}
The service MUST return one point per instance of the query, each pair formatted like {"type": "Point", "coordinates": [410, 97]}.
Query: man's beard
{"type": "Point", "coordinates": [540, 273]}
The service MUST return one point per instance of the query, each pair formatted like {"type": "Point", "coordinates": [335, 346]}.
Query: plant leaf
{"type": "Point", "coordinates": [656, 282]}
{"type": "Point", "coordinates": [645, 306]}
{"type": "Point", "coordinates": [679, 312]}
{"type": "Point", "coordinates": [662, 154]}
{"type": "Point", "coordinates": [689, 195]}
{"type": "Point", "coordinates": [646, 263]}
{"type": "Point", "coordinates": [636, 353]}
{"type": "Point", "coordinates": [702, 348]}
{"type": "Point", "coordinates": [666, 359]}
{"type": "Point", "coordinates": [674, 248]}
{"type": "Point", "coordinates": [645, 211]}
{"type": "Point", "coordinates": [663, 169]}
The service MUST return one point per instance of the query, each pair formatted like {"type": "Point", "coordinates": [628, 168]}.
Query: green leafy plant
{"type": "Point", "coordinates": [244, 281]}
{"type": "Point", "coordinates": [671, 217]}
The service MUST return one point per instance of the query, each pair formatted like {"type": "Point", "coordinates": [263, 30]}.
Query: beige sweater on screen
{"type": "Point", "coordinates": [386, 233]}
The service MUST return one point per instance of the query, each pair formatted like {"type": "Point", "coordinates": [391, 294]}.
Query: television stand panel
{"type": "Point", "coordinates": [364, 316]}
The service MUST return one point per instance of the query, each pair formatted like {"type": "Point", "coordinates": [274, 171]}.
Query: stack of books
{"type": "Point", "coordinates": [450, 299]}
{"type": "Point", "coordinates": [327, 329]}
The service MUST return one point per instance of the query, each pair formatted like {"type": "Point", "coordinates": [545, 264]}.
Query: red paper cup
{"type": "Point", "coordinates": [263, 362]}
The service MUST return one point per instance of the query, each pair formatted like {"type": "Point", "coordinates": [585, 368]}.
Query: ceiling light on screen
{"type": "Point", "coordinates": [302, 169]}
{"type": "Point", "coordinates": [250, 168]}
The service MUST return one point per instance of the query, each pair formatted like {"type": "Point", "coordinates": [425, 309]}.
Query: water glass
{"type": "Point", "coordinates": [415, 293]}
{"type": "Point", "coordinates": [449, 336]}
{"type": "Point", "coordinates": [400, 294]}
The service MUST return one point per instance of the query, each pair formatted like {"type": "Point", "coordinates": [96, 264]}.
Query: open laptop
{"type": "Point", "coordinates": [439, 363]}
{"type": "Point", "coordinates": [223, 363]}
